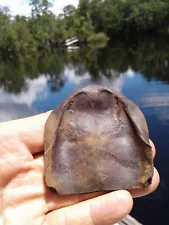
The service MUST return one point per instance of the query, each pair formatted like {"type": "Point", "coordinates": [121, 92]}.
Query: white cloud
{"type": "Point", "coordinates": [58, 5]}
{"type": "Point", "coordinates": [22, 7]}
{"type": "Point", "coordinates": [17, 7]}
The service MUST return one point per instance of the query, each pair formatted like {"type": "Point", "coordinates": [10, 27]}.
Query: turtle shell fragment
{"type": "Point", "coordinates": [97, 140]}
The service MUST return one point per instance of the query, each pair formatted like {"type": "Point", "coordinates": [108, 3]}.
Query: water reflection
{"type": "Point", "coordinates": [137, 68]}
{"type": "Point", "coordinates": [149, 57]}
{"type": "Point", "coordinates": [159, 105]}
{"type": "Point", "coordinates": [38, 94]}
{"type": "Point", "coordinates": [155, 100]}
{"type": "Point", "coordinates": [20, 105]}
{"type": "Point", "coordinates": [31, 79]}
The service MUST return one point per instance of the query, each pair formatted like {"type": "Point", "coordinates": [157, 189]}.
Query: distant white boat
{"type": "Point", "coordinates": [71, 41]}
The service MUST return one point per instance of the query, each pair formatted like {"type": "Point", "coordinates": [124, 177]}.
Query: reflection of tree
{"type": "Point", "coordinates": [147, 55]}
{"type": "Point", "coordinates": [14, 73]}
{"type": "Point", "coordinates": [150, 56]}
{"type": "Point", "coordinates": [55, 84]}
{"type": "Point", "coordinates": [53, 68]}
{"type": "Point", "coordinates": [11, 77]}
{"type": "Point", "coordinates": [92, 61]}
{"type": "Point", "coordinates": [154, 60]}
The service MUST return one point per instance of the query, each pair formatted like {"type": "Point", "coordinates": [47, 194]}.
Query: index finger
{"type": "Point", "coordinates": [28, 130]}
{"type": "Point", "coordinates": [153, 148]}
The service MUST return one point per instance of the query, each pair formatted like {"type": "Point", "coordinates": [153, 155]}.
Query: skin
{"type": "Point", "coordinates": [24, 196]}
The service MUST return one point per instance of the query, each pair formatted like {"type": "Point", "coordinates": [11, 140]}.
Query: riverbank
{"type": "Point", "coordinates": [44, 31]}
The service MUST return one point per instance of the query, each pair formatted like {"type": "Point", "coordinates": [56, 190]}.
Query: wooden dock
{"type": "Point", "coordinates": [128, 220]}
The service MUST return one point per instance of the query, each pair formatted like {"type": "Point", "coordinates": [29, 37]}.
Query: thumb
{"type": "Point", "coordinates": [102, 210]}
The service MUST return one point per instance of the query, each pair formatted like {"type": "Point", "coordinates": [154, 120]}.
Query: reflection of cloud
{"type": "Point", "coordinates": [77, 80]}
{"type": "Point", "coordinates": [130, 72]}
{"type": "Point", "coordinates": [159, 103]}
{"type": "Point", "coordinates": [155, 100]}
{"type": "Point", "coordinates": [114, 82]}
{"type": "Point", "coordinates": [10, 110]}
{"type": "Point", "coordinates": [33, 87]}
{"type": "Point", "coordinates": [163, 115]}
{"type": "Point", "coordinates": [16, 106]}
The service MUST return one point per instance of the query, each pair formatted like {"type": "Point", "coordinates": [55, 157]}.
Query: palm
{"type": "Point", "coordinates": [25, 194]}
{"type": "Point", "coordinates": [25, 199]}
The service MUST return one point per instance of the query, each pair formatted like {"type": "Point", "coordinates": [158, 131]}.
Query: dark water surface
{"type": "Point", "coordinates": [139, 70]}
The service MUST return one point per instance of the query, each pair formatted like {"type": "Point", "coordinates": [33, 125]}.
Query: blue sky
{"type": "Point", "coordinates": [22, 7]}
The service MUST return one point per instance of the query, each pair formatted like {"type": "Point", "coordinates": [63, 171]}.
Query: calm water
{"type": "Point", "coordinates": [139, 70]}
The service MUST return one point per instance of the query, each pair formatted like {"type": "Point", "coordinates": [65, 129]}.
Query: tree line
{"type": "Point", "coordinates": [91, 21]}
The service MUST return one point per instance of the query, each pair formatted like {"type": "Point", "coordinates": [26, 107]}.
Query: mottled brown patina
{"type": "Point", "coordinates": [97, 140]}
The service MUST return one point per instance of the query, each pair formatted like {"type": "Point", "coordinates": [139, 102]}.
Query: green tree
{"type": "Point", "coordinates": [40, 7]}
{"type": "Point", "coordinates": [44, 31]}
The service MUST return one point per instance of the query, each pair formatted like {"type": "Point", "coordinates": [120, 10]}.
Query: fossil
{"type": "Point", "coordinates": [97, 140]}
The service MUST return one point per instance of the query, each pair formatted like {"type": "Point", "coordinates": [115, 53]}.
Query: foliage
{"type": "Point", "coordinates": [99, 37]}
{"type": "Point", "coordinates": [92, 20]}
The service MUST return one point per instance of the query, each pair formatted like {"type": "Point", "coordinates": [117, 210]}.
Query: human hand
{"type": "Point", "coordinates": [26, 200]}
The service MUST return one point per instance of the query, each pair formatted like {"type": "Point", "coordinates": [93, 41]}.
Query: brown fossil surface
{"type": "Point", "coordinates": [97, 140]}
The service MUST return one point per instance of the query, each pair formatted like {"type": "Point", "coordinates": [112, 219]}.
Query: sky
{"type": "Point", "coordinates": [21, 7]}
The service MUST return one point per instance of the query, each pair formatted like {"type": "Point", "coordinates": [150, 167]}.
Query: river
{"type": "Point", "coordinates": [139, 70]}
